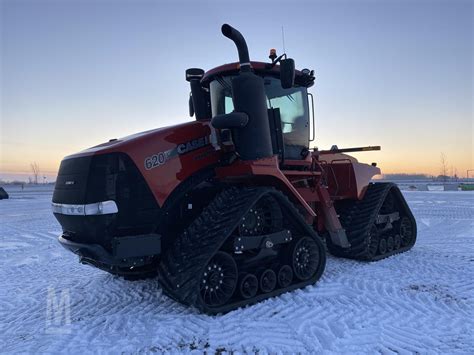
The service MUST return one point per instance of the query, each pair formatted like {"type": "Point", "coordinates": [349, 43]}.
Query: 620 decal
{"type": "Point", "coordinates": [157, 159]}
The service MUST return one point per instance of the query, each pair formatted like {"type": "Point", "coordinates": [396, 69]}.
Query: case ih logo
{"type": "Point", "coordinates": [192, 145]}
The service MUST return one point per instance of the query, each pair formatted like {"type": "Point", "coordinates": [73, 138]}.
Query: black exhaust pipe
{"type": "Point", "coordinates": [239, 40]}
{"type": "Point", "coordinates": [249, 121]}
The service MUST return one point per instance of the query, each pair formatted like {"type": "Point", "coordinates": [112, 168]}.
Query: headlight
{"type": "Point", "coordinates": [91, 209]}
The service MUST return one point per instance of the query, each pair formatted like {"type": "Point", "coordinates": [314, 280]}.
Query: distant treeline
{"type": "Point", "coordinates": [410, 177]}
{"type": "Point", "coordinates": [407, 176]}
{"type": "Point", "coordinates": [18, 182]}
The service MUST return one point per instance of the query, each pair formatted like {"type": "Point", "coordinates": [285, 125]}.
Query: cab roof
{"type": "Point", "coordinates": [259, 68]}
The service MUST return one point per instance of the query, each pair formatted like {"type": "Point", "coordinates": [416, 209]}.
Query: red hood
{"type": "Point", "coordinates": [163, 135]}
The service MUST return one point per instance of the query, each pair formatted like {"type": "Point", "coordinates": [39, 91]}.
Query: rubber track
{"type": "Point", "coordinates": [357, 219]}
{"type": "Point", "coordinates": [183, 264]}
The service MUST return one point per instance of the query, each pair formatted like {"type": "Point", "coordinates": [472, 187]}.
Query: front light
{"type": "Point", "coordinates": [91, 209]}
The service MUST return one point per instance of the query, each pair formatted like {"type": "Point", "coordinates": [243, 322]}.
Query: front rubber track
{"type": "Point", "coordinates": [184, 262]}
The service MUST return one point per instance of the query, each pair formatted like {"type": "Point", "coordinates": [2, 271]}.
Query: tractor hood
{"type": "Point", "coordinates": [163, 157]}
{"type": "Point", "coordinates": [154, 138]}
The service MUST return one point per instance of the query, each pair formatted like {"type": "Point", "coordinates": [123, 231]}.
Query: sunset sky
{"type": "Point", "coordinates": [393, 73]}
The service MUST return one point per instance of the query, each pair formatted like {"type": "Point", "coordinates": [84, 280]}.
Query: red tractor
{"type": "Point", "coordinates": [234, 207]}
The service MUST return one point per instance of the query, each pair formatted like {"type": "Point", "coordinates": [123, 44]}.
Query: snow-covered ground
{"type": "Point", "coordinates": [418, 302]}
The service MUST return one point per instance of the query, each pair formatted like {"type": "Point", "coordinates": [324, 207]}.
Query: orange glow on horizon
{"type": "Point", "coordinates": [409, 164]}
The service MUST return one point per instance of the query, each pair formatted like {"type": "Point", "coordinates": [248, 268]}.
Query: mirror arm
{"type": "Point", "coordinates": [276, 61]}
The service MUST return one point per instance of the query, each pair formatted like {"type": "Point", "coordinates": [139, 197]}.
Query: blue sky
{"type": "Point", "coordinates": [394, 73]}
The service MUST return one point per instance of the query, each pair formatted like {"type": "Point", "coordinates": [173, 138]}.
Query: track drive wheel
{"type": "Point", "coordinates": [218, 280]}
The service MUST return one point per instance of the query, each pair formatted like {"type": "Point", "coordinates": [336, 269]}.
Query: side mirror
{"type": "Point", "coordinates": [194, 73]}
{"type": "Point", "coordinates": [287, 73]}
{"type": "Point", "coordinates": [199, 99]}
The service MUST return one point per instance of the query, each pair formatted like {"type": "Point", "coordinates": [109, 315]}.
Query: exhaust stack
{"type": "Point", "coordinates": [249, 121]}
{"type": "Point", "coordinates": [241, 45]}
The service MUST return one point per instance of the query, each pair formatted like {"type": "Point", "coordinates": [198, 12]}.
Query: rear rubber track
{"type": "Point", "coordinates": [359, 217]}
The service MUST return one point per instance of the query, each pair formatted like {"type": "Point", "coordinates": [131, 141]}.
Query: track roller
{"type": "Point", "coordinates": [285, 276]}
{"type": "Point", "coordinates": [390, 244]}
{"type": "Point", "coordinates": [268, 281]}
{"type": "Point", "coordinates": [248, 286]}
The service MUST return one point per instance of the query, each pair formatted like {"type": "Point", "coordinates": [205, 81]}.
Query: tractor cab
{"type": "Point", "coordinates": [290, 110]}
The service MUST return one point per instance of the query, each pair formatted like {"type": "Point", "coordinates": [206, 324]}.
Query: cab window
{"type": "Point", "coordinates": [293, 105]}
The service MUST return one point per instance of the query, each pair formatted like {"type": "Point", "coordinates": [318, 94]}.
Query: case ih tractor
{"type": "Point", "coordinates": [234, 207]}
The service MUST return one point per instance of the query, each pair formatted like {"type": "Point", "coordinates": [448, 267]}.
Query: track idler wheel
{"type": "Point", "coordinates": [248, 286]}
{"type": "Point", "coordinates": [305, 258]}
{"type": "Point", "coordinates": [218, 280]}
{"type": "Point", "coordinates": [264, 217]}
{"type": "Point", "coordinates": [285, 276]}
{"type": "Point", "coordinates": [268, 281]}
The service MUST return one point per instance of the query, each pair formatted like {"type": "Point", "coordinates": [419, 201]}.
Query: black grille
{"type": "Point", "coordinates": [71, 182]}
{"type": "Point", "coordinates": [105, 177]}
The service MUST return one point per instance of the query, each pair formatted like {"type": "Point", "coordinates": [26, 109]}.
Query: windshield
{"type": "Point", "coordinates": [293, 105]}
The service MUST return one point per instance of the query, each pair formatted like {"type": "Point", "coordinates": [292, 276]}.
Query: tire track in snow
{"type": "Point", "coordinates": [418, 301]}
